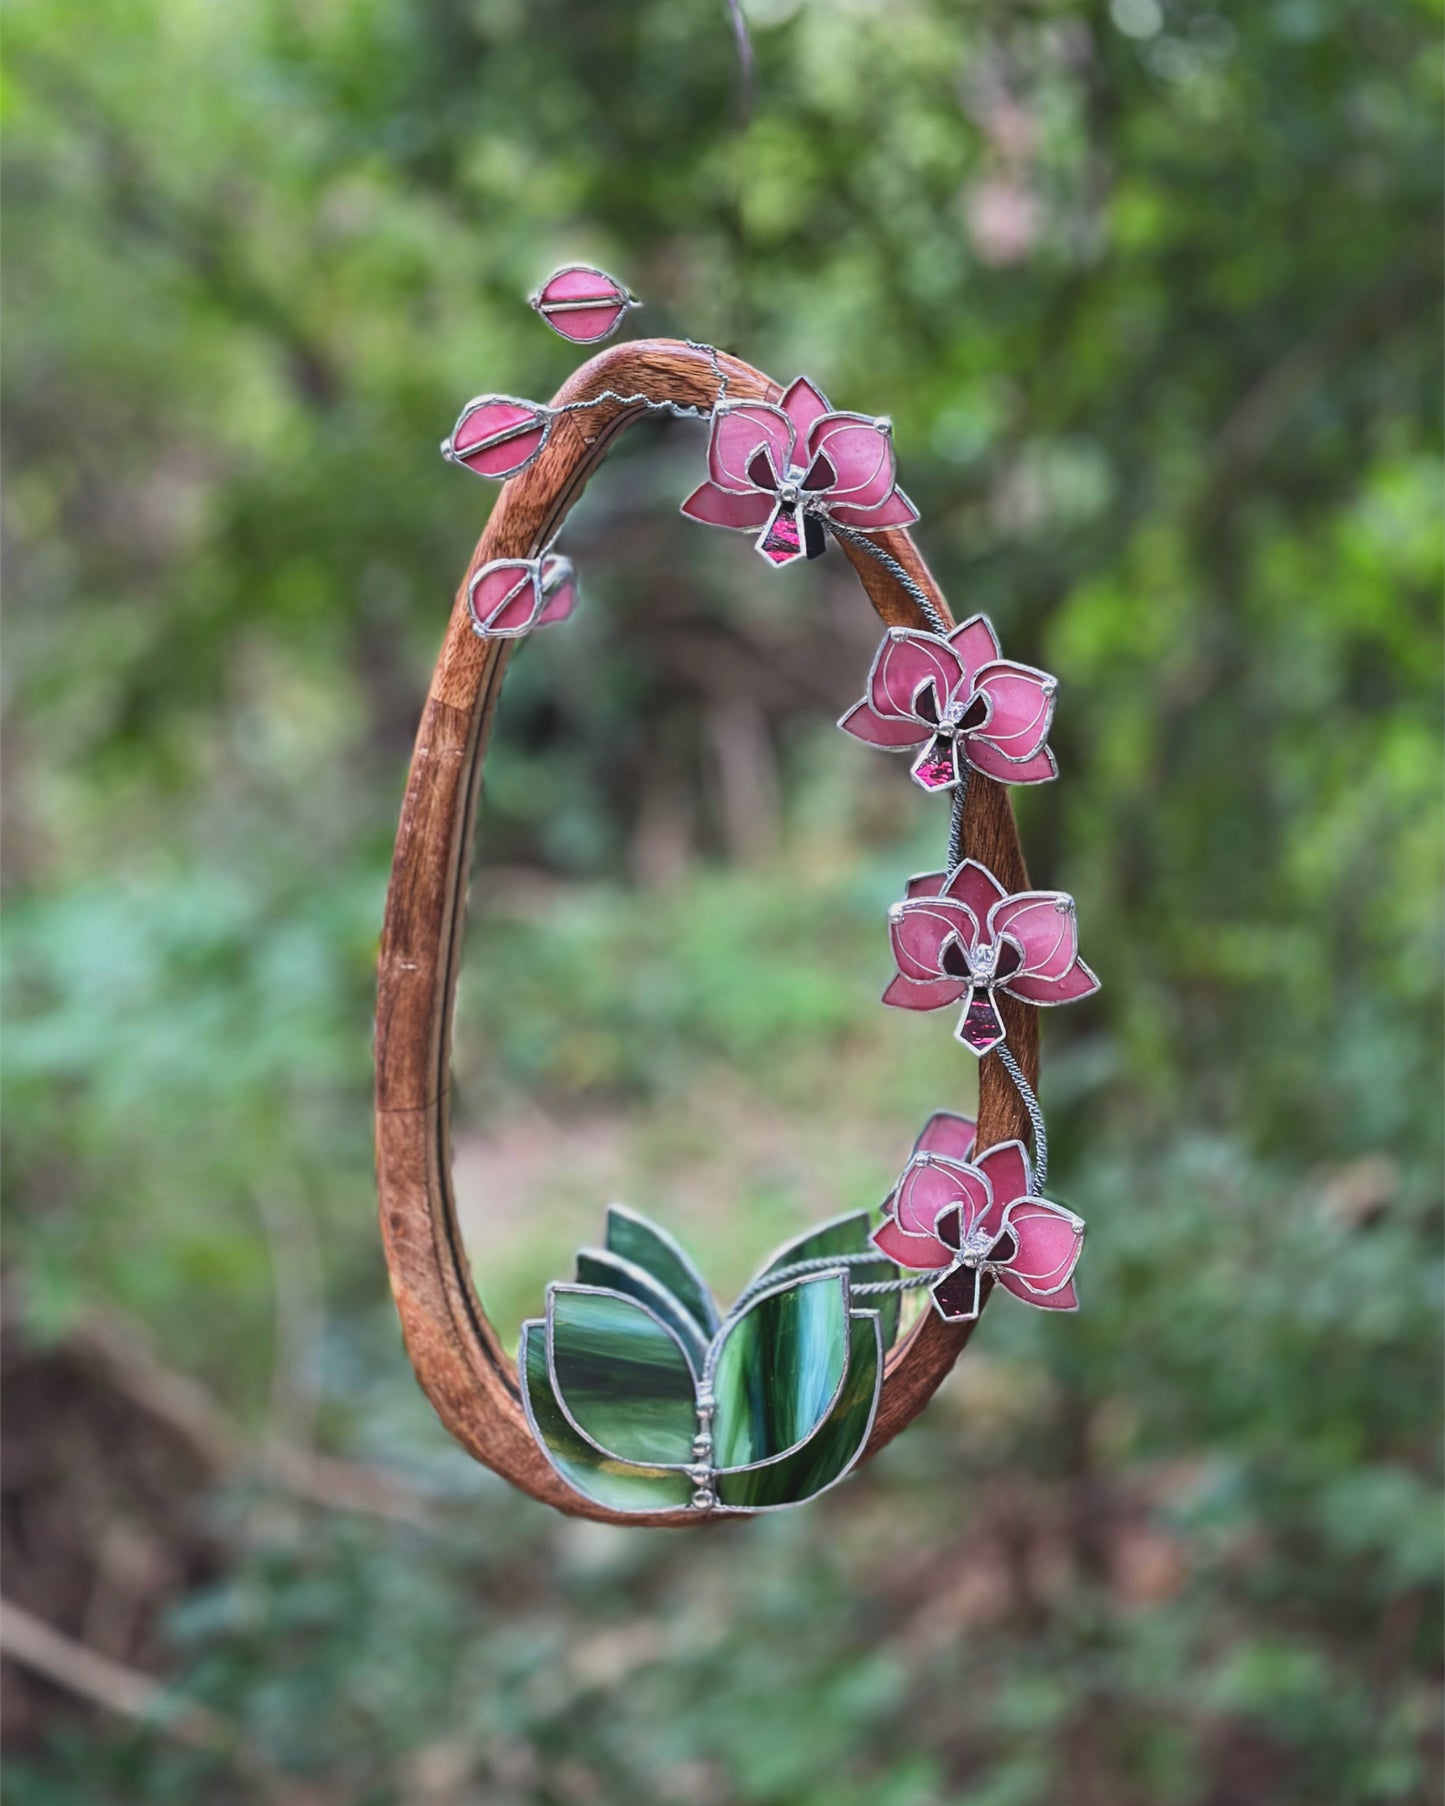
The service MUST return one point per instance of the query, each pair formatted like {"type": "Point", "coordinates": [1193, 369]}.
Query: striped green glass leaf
{"type": "Point", "coordinates": [633, 1238]}
{"type": "Point", "coordinates": [778, 1369]}
{"type": "Point", "coordinates": [833, 1449]}
{"type": "Point", "coordinates": [612, 1483]}
{"type": "Point", "coordinates": [595, 1267]}
{"type": "Point", "coordinates": [848, 1234]}
{"type": "Point", "coordinates": [621, 1376]}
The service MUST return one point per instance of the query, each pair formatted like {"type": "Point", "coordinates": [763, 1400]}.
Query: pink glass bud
{"type": "Point", "coordinates": [498, 435]}
{"type": "Point", "coordinates": [510, 596]}
{"type": "Point", "coordinates": [583, 304]}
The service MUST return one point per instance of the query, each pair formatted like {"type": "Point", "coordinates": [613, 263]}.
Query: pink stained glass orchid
{"type": "Point", "coordinates": [971, 1217]}
{"type": "Point", "coordinates": [783, 472]}
{"type": "Point", "coordinates": [959, 936]}
{"type": "Point", "coordinates": [962, 703]}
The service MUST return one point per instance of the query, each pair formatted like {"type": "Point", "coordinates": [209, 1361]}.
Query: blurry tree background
{"type": "Point", "coordinates": [1150, 289]}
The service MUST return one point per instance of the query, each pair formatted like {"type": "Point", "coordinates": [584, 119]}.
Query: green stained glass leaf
{"type": "Point", "coordinates": [778, 1369]}
{"type": "Point", "coordinates": [598, 1268]}
{"type": "Point", "coordinates": [834, 1448]}
{"type": "Point", "coordinates": [616, 1484]}
{"type": "Point", "coordinates": [848, 1234]}
{"type": "Point", "coordinates": [621, 1376]}
{"type": "Point", "coordinates": [633, 1238]}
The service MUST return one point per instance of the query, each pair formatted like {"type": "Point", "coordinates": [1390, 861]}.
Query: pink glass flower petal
{"type": "Point", "coordinates": [897, 511]}
{"type": "Point", "coordinates": [782, 541]}
{"type": "Point", "coordinates": [737, 433]}
{"type": "Point", "coordinates": [936, 767]}
{"type": "Point", "coordinates": [497, 436]}
{"type": "Point", "coordinates": [980, 1028]}
{"type": "Point", "coordinates": [1077, 982]}
{"type": "Point", "coordinates": [1043, 924]}
{"type": "Point", "coordinates": [948, 1134]}
{"type": "Point", "coordinates": [1065, 1299]}
{"type": "Point", "coordinates": [1048, 1241]}
{"type": "Point", "coordinates": [582, 304]}
{"type": "Point", "coordinates": [1021, 706]}
{"type": "Point", "coordinates": [804, 403]}
{"type": "Point", "coordinates": [929, 1187]}
{"type": "Point", "coordinates": [559, 591]}
{"type": "Point", "coordinates": [863, 724]}
{"type": "Point", "coordinates": [921, 929]}
{"type": "Point", "coordinates": [1006, 1167]}
{"type": "Point", "coordinates": [975, 642]}
{"type": "Point", "coordinates": [1038, 770]}
{"type": "Point", "coordinates": [861, 453]}
{"type": "Point", "coordinates": [936, 994]}
{"type": "Point", "coordinates": [906, 661]}
{"type": "Point", "coordinates": [975, 885]}
{"type": "Point", "coordinates": [503, 598]}
{"type": "Point", "coordinates": [724, 508]}
{"type": "Point", "coordinates": [929, 884]}
{"type": "Point", "coordinates": [957, 1296]}
{"type": "Point", "coordinates": [919, 1253]}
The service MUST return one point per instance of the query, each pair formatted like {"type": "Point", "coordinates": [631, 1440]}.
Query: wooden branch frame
{"type": "Point", "coordinates": [456, 1352]}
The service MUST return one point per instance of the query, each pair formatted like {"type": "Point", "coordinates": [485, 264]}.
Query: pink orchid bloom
{"type": "Point", "coordinates": [962, 703]}
{"type": "Point", "coordinates": [960, 935]}
{"type": "Point", "coordinates": [970, 1217]}
{"type": "Point", "coordinates": [783, 472]}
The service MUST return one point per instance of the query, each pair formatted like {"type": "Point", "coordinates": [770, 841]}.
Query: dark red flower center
{"type": "Point", "coordinates": [956, 717]}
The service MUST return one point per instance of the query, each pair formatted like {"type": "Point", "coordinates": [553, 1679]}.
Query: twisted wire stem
{"type": "Point", "coordinates": [1036, 1115]}
{"type": "Point", "coordinates": [854, 536]}
{"type": "Point", "coordinates": [910, 1282]}
{"type": "Point", "coordinates": [955, 826]}
{"type": "Point", "coordinates": [821, 1263]}
{"type": "Point", "coordinates": [680, 410]}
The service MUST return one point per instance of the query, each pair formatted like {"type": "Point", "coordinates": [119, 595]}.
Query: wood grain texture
{"type": "Point", "coordinates": [456, 1353]}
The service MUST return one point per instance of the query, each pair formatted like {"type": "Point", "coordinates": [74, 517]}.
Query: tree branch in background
{"type": "Point", "coordinates": [190, 1412]}
{"type": "Point", "coordinates": [107, 1684]}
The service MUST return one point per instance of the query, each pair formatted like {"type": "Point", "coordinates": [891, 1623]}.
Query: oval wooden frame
{"type": "Point", "coordinates": [454, 1349]}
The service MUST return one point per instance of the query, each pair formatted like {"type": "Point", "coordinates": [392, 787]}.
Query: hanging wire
{"type": "Point", "coordinates": [744, 46]}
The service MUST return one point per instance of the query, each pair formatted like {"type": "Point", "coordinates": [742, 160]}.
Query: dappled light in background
{"type": "Point", "coordinates": [1150, 293]}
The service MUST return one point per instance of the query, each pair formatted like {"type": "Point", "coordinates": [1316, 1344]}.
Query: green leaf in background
{"type": "Point", "coordinates": [621, 1375]}
{"type": "Point", "coordinates": [622, 1486]}
{"type": "Point", "coordinates": [850, 1233]}
{"type": "Point", "coordinates": [595, 1267]}
{"type": "Point", "coordinates": [631, 1236]}
{"type": "Point", "coordinates": [778, 1369]}
{"type": "Point", "coordinates": [833, 1448]}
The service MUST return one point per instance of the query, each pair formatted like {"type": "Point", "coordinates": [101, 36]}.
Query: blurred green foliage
{"type": "Point", "coordinates": [1151, 291]}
